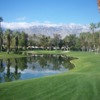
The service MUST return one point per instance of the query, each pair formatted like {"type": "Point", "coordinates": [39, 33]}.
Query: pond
{"type": "Point", "coordinates": [33, 67]}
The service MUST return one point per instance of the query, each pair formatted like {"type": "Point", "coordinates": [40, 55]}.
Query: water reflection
{"type": "Point", "coordinates": [32, 67]}
{"type": "Point", "coordinates": [16, 73]}
{"type": "Point", "coordinates": [8, 76]}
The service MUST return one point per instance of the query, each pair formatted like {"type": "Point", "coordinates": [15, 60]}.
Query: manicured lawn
{"type": "Point", "coordinates": [81, 83]}
{"type": "Point", "coordinates": [10, 55]}
{"type": "Point", "coordinates": [46, 52]}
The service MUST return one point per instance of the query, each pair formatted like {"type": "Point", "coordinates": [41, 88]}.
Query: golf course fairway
{"type": "Point", "coordinates": [80, 83]}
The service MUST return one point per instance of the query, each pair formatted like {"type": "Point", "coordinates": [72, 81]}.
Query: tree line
{"type": "Point", "coordinates": [15, 40]}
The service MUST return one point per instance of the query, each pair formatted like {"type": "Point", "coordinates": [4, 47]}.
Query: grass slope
{"type": "Point", "coordinates": [81, 83]}
{"type": "Point", "coordinates": [4, 55]}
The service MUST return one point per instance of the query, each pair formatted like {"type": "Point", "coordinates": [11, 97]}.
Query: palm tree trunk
{"type": "Point", "coordinates": [8, 43]}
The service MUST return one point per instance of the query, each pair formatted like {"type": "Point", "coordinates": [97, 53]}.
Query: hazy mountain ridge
{"type": "Point", "coordinates": [47, 29]}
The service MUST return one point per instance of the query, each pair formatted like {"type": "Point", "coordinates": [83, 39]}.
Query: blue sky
{"type": "Point", "coordinates": [50, 11]}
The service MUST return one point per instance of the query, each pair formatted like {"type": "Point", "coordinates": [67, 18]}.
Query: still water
{"type": "Point", "coordinates": [33, 67]}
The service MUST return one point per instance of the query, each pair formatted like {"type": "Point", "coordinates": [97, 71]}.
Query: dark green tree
{"type": "Point", "coordinates": [44, 41]}
{"type": "Point", "coordinates": [61, 43]}
{"type": "Point", "coordinates": [8, 34]}
{"type": "Point", "coordinates": [1, 34]}
{"type": "Point", "coordinates": [23, 42]}
{"type": "Point", "coordinates": [56, 40]}
{"type": "Point", "coordinates": [1, 39]}
{"type": "Point", "coordinates": [93, 27]}
{"type": "Point", "coordinates": [16, 44]}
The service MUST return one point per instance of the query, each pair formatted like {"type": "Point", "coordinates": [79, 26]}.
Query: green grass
{"type": "Point", "coordinates": [81, 83]}
{"type": "Point", "coordinates": [10, 55]}
{"type": "Point", "coordinates": [46, 52]}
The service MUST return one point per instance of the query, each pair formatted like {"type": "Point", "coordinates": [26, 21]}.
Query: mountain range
{"type": "Point", "coordinates": [46, 28]}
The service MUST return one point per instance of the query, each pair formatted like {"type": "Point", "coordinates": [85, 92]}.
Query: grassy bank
{"type": "Point", "coordinates": [10, 55]}
{"type": "Point", "coordinates": [25, 53]}
{"type": "Point", "coordinates": [46, 52]}
{"type": "Point", "coordinates": [81, 83]}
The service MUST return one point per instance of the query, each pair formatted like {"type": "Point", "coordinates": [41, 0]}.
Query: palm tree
{"type": "Point", "coordinates": [66, 42]}
{"type": "Point", "coordinates": [1, 34]}
{"type": "Point", "coordinates": [24, 40]}
{"type": "Point", "coordinates": [1, 39]}
{"type": "Point", "coordinates": [56, 40]}
{"type": "Point", "coordinates": [93, 27]}
{"type": "Point", "coordinates": [16, 44]}
{"type": "Point", "coordinates": [8, 43]}
{"type": "Point", "coordinates": [82, 41]}
{"type": "Point", "coordinates": [8, 34]}
{"type": "Point", "coordinates": [98, 26]}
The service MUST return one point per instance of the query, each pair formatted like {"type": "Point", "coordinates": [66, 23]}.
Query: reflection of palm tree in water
{"type": "Point", "coordinates": [8, 76]}
{"type": "Point", "coordinates": [60, 59]}
{"type": "Point", "coordinates": [1, 66]}
{"type": "Point", "coordinates": [16, 66]}
{"type": "Point", "coordinates": [57, 61]}
{"type": "Point", "coordinates": [16, 74]}
{"type": "Point", "coordinates": [67, 63]}
{"type": "Point", "coordinates": [43, 62]}
{"type": "Point", "coordinates": [63, 61]}
{"type": "Point", "coordinates": [1, 69]}
{"type": "Point", "coordinates": [22, 63]}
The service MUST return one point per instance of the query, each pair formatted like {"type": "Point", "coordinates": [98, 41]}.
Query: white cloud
{"type": "Point", "coordinates": [21, 19]}
{"type": "Point", "coordinates": [17, 25]}
{"type": "Point", "coordinates": [32, 27]}
{"type": "Point", "coordinates": [14, 25]}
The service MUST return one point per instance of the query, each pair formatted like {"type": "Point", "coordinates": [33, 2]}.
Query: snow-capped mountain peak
{"type": "Point", "coordinates": [46, 28]}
